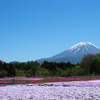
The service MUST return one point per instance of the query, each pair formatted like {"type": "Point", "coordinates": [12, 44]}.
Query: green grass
{"type": "Point", "coordinates": [95, 76]}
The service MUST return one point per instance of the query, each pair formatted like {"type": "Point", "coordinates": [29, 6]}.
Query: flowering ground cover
{"type": "Point", "coordinates": [63, 79]}
{"type": "Point", "coordinates": [73, 90]}
{"type": "Point", "coordinates": [91, 83]}
{"type": "Point", "coordinates": [5, 81]}
{"type": "Point", "coordinates": [18, 80]}
{"type": "Point", "coordinates": [57, 88]}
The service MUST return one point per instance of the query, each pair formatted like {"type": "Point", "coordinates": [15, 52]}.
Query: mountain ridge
{"type": "Point", "coordinates": [73, 54]}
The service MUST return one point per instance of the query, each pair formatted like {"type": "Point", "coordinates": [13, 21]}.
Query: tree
{"type": "Point", "coordinates": [96, 64]}
{"type": "Point", "coordinates": [3, 73]}
{"type": "Point", "coordinates": [33, 67]}
{"type": "Point", "coordinates": [11, 70]}
{"type": "Point", "coordinates": [20, 73]}
{"type": "Point", "coordinates": [86, 63]}
{"type": "Point", "coordinates": [67, 73]}
{"type": "Point", "coordinates": [1, 65]}
{"type": "Point", "coordinates": [51, 67]}
{"type": "Point", "coordinates": [77, 70]}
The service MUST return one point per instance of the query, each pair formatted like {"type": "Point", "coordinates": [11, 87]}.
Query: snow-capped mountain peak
{"type": "Point", "coordinates": [83, 46]}
{"type": "Point", "coordinates": [75, 53]}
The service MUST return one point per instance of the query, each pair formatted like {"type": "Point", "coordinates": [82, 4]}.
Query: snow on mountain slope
{"type": "Point", "coordinates": [86, 44]}
{"type": "Point", "coordinates": [75, 53]}
{"type": "Point", "coordinates": [84, 47]}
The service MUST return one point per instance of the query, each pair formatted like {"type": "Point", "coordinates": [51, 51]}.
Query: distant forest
{"type": "Point", "coordinates": [89, 65]}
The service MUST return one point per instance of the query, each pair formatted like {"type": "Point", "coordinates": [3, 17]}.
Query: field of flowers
{"type": "Point", "coordinates": [58, 88]}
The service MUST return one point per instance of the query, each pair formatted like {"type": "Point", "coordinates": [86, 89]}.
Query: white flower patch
{"type": "Point", "coordinates": [76, 90]}
{"type": "Point", "coordinates": [73, 83]}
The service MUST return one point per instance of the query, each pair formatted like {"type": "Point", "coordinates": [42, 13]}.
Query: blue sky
{"type": "Point", "coordinates": [34, 29]}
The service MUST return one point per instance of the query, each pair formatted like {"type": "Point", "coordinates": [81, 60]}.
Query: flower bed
{"type": "Point", "coordinates": [18, 80]}
{"type": "Point", "coordinates": [80, 90]}
{"type": "Point", "coordinates": [4, 81]}
{"type": "Point", "coordinates": [63, 79]}
{"type": "Point", "coordinates": [57, 88]}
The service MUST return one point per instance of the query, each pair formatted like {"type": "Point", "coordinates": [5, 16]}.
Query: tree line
{"type": "Point", "coordinates": [89, 65]}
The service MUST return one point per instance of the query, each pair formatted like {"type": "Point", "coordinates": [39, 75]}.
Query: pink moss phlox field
{"type": "Point", "coordinates": [18, 80]}
{"type": "Point", "coordinates": [22, 78]}
{"type": "Point", "coordinates": [6, 78]}
{"type": "Point", "coordinates": [96, 79]}
{"type": "Point", "coordinates": [42, 80]}
{"type": "Point", "coordinates": [77, 79]}
{"type": "Point", "coordinates": [30, 79]}
{"type": "Point", "coordinates": [64, 79]}
{"type": "Point", "coordinates": [2, 85]}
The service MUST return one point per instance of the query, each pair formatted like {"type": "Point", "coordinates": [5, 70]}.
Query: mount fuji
{"type": "Point", "coordinates": [73, 54]}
